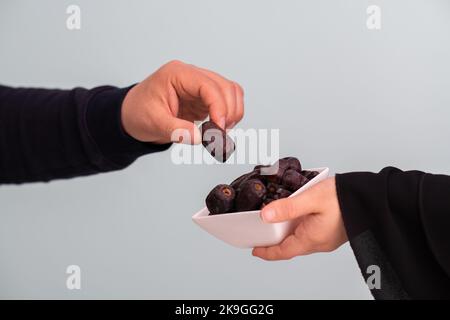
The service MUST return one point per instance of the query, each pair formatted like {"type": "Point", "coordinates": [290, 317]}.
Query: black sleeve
{"type": "Point", "coordinates": [51, 134]}
{"type": "Point", "coordinates": [400, 222]}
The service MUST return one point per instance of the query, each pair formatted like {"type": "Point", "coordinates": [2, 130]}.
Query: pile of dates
{"type": "Point", "coordinates": [254, 190]}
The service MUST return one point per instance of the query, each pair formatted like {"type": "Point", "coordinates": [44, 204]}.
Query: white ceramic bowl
{"type": "Point", "coordinates": [247, 229]}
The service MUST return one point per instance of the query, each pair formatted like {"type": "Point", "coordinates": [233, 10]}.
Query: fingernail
{"type": "Point", "coordinates": [268, 215]}
{"type": "Point", "coordinates": [222, 123]}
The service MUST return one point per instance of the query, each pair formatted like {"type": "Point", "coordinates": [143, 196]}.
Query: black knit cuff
{"type": "Point", "coordinates": [357, 205]}
{"type": "Point", "coordinates": [104, 124]}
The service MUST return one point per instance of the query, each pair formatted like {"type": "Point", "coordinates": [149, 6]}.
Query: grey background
{"type": "Point", "coordinates": [342, 96]}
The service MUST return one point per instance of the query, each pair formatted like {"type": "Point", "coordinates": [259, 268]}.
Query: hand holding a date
{"type": "Point", "coordinates": [175, 96]}
{"type": "Point", "coordinates": [320, 226]}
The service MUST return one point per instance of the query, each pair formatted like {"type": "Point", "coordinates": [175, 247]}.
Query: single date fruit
{"type": "Point", "coordinates": [283, 193]}
{"type": "Point", "coordinates": [292, 163]}
{"type": "Point", "coordinates": [292, 180]}
{"type": "Point", "coordinates": [217, 141]}
{"type": "Point", "coordinates": [236, 184]}
{"type": "Point", "coordinates": [309, 174]}
{"type": "Point", "coordinates": [220, 199]}
{"type": "Point", "coordinates": [250, 196]}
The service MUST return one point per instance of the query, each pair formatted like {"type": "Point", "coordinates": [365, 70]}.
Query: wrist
{"type": "Point", "coordinates": [105, 126]}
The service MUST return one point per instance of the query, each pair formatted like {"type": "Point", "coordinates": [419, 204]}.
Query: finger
{"type": "Point", "coordinates": [229, 91]}
{"type": "Point", "coordinates": [194, 111]}
{"type": "Point", "coordinates": [291, 208]}
{"type": "Point", "coordinates": [289, 248]}
{"type": "Point", "coordinates": [194, 83]}
{"type": "Point", "coordinates": [239, 102]}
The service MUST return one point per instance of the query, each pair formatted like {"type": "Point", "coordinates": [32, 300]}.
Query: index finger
{"type": "Point", "coordinates": [192, 82]}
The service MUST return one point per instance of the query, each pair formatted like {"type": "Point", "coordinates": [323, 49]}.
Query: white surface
{"type": "Point", "coordinates": [247, 229]}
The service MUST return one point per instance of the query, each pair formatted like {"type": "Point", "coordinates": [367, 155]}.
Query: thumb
{"type": "Point", "coordinates": [182, 131]}
{"type": "Point", "coordinates": [290, 208]}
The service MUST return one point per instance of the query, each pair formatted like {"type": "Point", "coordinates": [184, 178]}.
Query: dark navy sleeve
{"type": "Point", "coordinates": [48, 134]}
